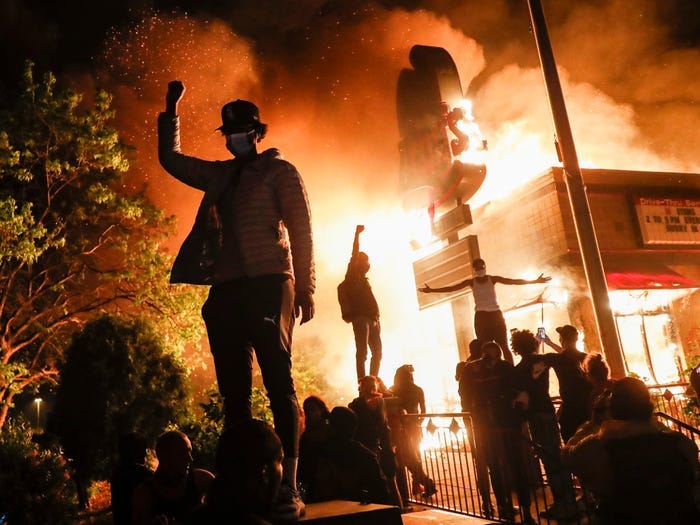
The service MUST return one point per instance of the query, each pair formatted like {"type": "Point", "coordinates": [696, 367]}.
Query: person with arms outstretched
{"type": "Point", "coordinates": [252, 243]}
{"type": "Point", "coordinates": [489, 323]}
{"type": "Point", "coordinates": [359, 307]}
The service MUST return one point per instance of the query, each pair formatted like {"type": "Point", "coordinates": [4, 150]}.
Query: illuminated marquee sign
{"type": "Point", "coordinates": [668, 220]}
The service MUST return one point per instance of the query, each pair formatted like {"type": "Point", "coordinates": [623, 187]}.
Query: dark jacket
{"type": "Point", "coordinates": [357, 299]}
{"type": "Point", "coordinates": [640, 475]}
{"type": "Point", "coordinates": [263, 228]}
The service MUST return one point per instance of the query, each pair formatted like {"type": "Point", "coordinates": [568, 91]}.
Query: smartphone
{"type": "Point", "coordinates": [541, 333]}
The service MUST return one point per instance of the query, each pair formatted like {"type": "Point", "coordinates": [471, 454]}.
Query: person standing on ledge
{"type": "Point", "coordinates": [489, 323]}
{"type": "Point", "coordinates": [359, 307]}
{"type": "Point", "coordinates": [252, 243]}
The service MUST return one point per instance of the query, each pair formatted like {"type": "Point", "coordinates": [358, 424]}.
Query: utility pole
{"type": "Point", "coordinates": [576, 190]}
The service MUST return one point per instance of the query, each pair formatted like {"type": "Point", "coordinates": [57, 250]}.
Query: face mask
{"type": "Point", "coordinates": [481, 273]}
{"type": "Point", "coordinates": [240, 144]}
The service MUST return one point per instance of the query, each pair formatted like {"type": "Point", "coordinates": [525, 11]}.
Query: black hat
{"type": "Point", "coordinates": [567, 331]}
{"type": "Point", "coordinates": [239, 116]}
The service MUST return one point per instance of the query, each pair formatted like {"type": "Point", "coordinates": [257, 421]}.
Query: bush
{"type": "Point", "coordinates": [35, 486]}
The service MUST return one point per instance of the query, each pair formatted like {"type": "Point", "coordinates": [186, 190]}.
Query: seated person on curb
{"type": "Point", "coordinates": [373, 429]}
{"type": "Point", "coordinates": [248, 476]}
{"type": "Point", "coordinates": [638, 473]}
{"type": "Point", "coordinates": [346, 469]}
{"type": "Point", "coordinates": [130, 472]}
{"type": "Point", "coordinates": [175, 489]}
{"type": "Point", "coordinates": [312, 439]}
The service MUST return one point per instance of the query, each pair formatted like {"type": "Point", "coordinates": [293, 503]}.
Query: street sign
{"type": "Point", "coordinates": [452, 221]}
{"type": "Point", "coordinates": [450, 265]}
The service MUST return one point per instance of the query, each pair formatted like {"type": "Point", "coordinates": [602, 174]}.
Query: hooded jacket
{"type": "Point", "coordinates": [262, 226]}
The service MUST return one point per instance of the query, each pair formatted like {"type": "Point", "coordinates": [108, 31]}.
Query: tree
{"type": "Point", "coordinates": [117, 377]}
{"type": "Point", "coordinates": [72, 242]}
{"type": "Point", "coordinates": [34, 485]}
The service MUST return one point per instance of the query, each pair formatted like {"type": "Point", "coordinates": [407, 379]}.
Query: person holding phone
{"type": "Point", "coordinates": [489, 323]}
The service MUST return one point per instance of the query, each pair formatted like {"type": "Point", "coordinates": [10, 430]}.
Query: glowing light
{"type": "Point", "coordinates": [476, 152]}
{"type": "Point", "coordinates": [418, 227]}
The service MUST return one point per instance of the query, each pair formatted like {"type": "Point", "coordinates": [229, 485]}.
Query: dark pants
{"type": "Point", "coordinates": [505, 455]}
{"type": "Point", "coordinates": [571, 416]}
{"type": "Point", "coordinates": [545, 434]}
{"type": "Point", "coordinates": [491, 326]}
{"type": "Point", "coordinates": [255, 314]}
{"type": "Point", "coordinates": [367, 333]}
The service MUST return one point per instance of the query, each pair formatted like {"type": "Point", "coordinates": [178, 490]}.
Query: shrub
{"type": "Point", "coordinates": [35, 486]}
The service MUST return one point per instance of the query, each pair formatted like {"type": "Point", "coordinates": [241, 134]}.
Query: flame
{"type": "Point", "coordinates": [332, 115]}
{"type": "Point", "coordinates": [476, 152]}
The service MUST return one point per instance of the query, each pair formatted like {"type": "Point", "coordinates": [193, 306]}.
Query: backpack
{"type": "Point", "coordinates": [345, 302]}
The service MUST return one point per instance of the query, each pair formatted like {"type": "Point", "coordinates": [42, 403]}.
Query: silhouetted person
{"type": "Point", "coordinates": [639, 473]}
{"type": "Point", "coordinates": [313, 438]}
{"type": "Point", "coordinates": [474, 354]}
{"type": "Point", "coordinates": [490, 392]}
{"type": "Point", "coordinates": [411, 401]}
{"type": "Point", "coordinates": [478, 456]}
{"type": "Point", "coordinates": [373, 429]}
{"type": "Point", "coordinates": [346, 468]}
{"type": "Point", "coordinates": [489, 323]}
{"type": "Point", "coordinates": [130, 472]}
{"type": "Point", "coordinates": [533, 376]}
{"type": "Point", "coordinates": [574, 386]}
{"type": "Point", "coordinates": [359, 307]}
{"type": "Point", "coordinates": [252, 242]}
{"type": "Point", "coordinates": [176, 488]}
{"type": "Point", "coordinates": [598, 373]}
{"type": "Point", "coordinates": [248, 475]}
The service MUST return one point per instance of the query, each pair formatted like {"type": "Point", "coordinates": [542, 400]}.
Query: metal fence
{"type": "Point", "coordinates": [447, 456]}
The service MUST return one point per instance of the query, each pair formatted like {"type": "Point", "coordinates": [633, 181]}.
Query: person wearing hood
{"type": "Point", "coordinates": [489, 323]}
{"type": "Point", "coordinates": [252, 244]}
{"type": "Point", "coordinates": [639, 471]}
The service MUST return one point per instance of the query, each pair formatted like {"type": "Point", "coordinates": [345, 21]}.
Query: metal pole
{"type": "Point", "coordinates": [588, 243]}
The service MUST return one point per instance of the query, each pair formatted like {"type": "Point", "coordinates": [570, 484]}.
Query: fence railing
{"type": "Point", "coordinates": [673, 400]}
{"type": "Point", "coordinates": [449, 457]}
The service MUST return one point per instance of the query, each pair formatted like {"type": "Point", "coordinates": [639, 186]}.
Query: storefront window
{"type": "Point", "coordinates": [649, 341]}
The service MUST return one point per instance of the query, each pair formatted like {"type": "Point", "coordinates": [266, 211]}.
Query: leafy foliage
{"type": "Point", "coordinates": [72, 243]}
{"type": "Point", "coordinates": [117, 378]}
{"type": "Point", "coordinates": [35, 487]}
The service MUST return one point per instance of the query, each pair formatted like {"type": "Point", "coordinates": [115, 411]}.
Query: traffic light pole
{"type": "Point", "coordinates": [588, 243]}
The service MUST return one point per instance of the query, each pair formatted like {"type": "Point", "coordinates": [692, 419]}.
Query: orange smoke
{"type": "Point", "coordinates": [329, 100]}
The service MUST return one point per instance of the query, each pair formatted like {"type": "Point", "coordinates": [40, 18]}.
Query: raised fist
{"type": "Point", "coordinates": [175, 91]}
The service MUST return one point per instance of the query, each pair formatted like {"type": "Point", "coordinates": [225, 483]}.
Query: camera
{"type": "Point", "coordinates": [541, 333]}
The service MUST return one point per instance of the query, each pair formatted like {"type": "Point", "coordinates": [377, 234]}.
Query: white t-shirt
{"type": "Point", "coordinates": [485, 295]}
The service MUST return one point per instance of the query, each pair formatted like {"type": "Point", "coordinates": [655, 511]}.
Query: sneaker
{"type": "Point", "coordinates": [289, 507]}
{"type": "Point", "coordinates": [429, 489]}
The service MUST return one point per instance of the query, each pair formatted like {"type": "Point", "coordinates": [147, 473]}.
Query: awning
{"type": "Point", "coordinates": [645, 276]}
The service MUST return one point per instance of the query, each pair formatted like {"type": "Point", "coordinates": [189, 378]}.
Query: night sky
{"type": "Point", "coordinates": [324, 75]}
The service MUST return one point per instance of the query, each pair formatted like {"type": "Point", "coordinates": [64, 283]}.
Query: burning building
{"type": "Point", "coordinates": [648, 230]}
{"type": "Point", "coordinates": [647, 225]}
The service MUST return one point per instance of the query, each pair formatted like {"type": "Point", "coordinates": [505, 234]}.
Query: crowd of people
{"type": "Point", "coordinates": [252, 244]}
{"type": "Point", "coordinates": [632, 469]}
{"type": "Point", "coordinates": [358, 452]}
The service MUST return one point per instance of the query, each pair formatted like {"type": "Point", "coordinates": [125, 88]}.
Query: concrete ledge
{"type": "Point", "coordinates": [342, 512]}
